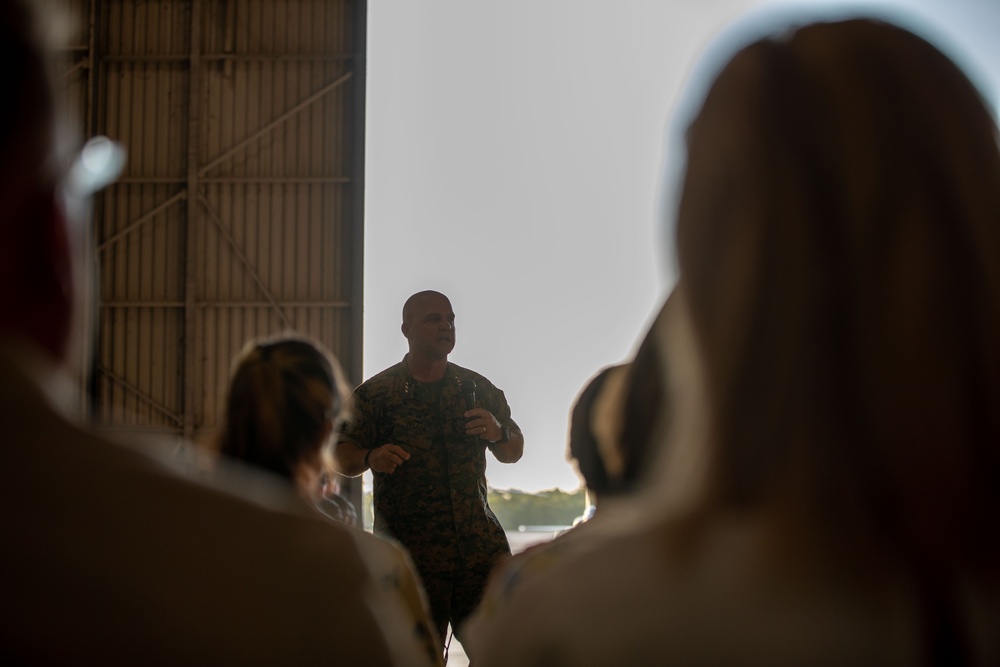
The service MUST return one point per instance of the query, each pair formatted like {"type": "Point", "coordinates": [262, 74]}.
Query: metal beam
{"type": "Point", "coordinates": [318, 95]}
{"type": "Point", "coordinates": [234, 57]}
{"type": "Point", "coordinates": [238, 180]}
{"type": "Point", "coordinates": [199, 173]}
{"type": "Point", "coordinates": [83, 64]}
{"type": "Point", "coordinates": [138, 393]}
{"type": "Point", "coordinates": [310, 303]}
{"type": "Point", "coordinates": [180, 196]}
{"type": "Point", "coordinates": [189, 360]}
{"type": "Point", "coordinates": [251, 269]}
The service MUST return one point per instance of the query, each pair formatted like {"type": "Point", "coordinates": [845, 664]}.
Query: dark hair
{"type": "Point", "coordinates": [583, 447]}
{"type": "Point", "coordinates": [284, 393]}
{"type": "Point", "coordinates": [645, 408]}
{"type": "Point", "coordinates": [640, 407]}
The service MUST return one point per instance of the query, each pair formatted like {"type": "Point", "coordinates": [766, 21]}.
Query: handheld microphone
{"type": "Point", "coordinates": [469, 391]}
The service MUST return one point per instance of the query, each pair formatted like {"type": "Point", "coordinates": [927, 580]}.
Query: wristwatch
{"type": "Point", "coordinates": [505, 436]}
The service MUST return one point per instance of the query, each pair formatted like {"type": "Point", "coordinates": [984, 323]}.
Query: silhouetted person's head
{"type": "Point", "coordinates": [36, 272]}
{"type": "Point", "coordinates": [615, 420]}
{"type": "Point", "coordinates": [286, 399]}
{"type": "Point", "coordinates": [429, 325]}
{"type": "Point", "coordinates": [584, 447]}
{"type": "Point", "coordinates": [838, 242]}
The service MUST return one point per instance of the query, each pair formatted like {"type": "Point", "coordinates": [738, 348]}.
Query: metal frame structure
{"type": "Point", "coordinates": [240, 212]}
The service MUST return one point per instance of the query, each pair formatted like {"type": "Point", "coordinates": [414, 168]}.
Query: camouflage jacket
{"type": "Point", "coordinates": [435, 503]}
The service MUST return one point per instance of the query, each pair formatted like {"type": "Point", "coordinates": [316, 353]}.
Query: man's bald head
{"type": "Point", "coordinates": [429, 325]}
{"type": "Point", "coordinates": [412, 305]}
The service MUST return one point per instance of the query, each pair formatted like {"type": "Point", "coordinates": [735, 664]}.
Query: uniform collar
{"type": "Point", "coordinates": [453, 381]}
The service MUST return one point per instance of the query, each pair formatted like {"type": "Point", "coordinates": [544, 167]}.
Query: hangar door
{"type": "Point", "coordinates": [239, 214]}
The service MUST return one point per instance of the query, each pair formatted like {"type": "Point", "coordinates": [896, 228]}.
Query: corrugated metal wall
{"type": "Point", "coordinates": [239, 213]}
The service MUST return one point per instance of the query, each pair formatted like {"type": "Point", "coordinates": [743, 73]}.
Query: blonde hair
{"type": "Point", "coordinates": [285, 395]}
{"type": "Point", "coordinates": [838, 241]}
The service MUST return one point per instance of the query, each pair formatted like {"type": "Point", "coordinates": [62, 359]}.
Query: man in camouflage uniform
{"type": "Point", "coordinates": [427, 452]}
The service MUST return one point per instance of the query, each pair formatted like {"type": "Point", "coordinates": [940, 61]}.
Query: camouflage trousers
{"type": "Point", "coordinates": [453, 596]}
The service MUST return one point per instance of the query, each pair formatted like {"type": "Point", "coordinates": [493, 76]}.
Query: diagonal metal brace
{"type": "Point", "coordinates": [319, 94]}
{"type": "Point", "coordinates": [145, 398]}
{"type": "Point", "coordinates": [243, 259]}
{"type": "Point", "coordinates": [180, 196]}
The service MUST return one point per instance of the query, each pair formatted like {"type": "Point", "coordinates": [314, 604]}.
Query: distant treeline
{"type": "Point", "coordinates": [546, 508]}
{"type": "Point", "coordinates": [516, 508]}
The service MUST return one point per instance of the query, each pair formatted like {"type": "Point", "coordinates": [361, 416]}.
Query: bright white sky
{"type": "Point", "coordinates": [516, 161]}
